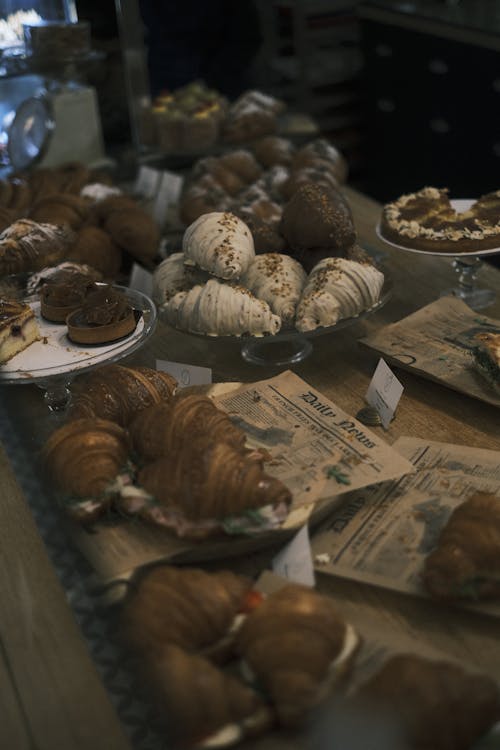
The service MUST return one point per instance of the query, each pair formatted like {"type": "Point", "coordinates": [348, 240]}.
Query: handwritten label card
{"type": "Point", "coordinates": [185, 374]}
{"type": "Point", "coordinates": [384, 392]}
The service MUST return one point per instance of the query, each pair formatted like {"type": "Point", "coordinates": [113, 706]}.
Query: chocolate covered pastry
{"type": "Point", "coordinates": [317, 222]}
{"type": "Point", "coordinates": [65, 291]}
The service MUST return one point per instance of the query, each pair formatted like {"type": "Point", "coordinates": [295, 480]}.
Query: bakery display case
{"type": "Point", "coordinates": [204, 549]}
{"type": "Point", "coordinates": [44, 52]}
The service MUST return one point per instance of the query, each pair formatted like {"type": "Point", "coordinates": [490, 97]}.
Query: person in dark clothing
{"type": "Point", "coordinates": [211, 40]}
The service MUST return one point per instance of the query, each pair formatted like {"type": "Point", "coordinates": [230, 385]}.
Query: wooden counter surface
{"type": "Point", "coordinates": [52, 695]}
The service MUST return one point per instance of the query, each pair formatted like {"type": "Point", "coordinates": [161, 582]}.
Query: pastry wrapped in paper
{"type": "Point", "coordinates": [218, 309]}
{"type": "Point", "coordinates": [203, 479]}
{"type": "Point", "coordinates": [486, 358]}
{"type": "Point", "coordinates": [465, 563]}
{"type": "Point", "coordinates": [188, 607]}
{"type": "Point", "coordinates": [85, 455]}
{"type": "Point", "coordinates": [425, 704]}
{"type": "Point", "coordinates": [337, 288]}
{"type": "Point", "coordinates": [278, 280]}
{"type": "Point", "coordinates": [298, 647]}
{"type": "Point", "coordinates": [202, 705]}
{"type": "Point", "coordinates": [219, 243]}
{"type": "Point", "coordinates": [162, 428]}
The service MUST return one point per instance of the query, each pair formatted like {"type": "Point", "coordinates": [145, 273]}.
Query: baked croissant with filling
{"type": "Point", "coordinates": [427, 704]}
{"type": "Point", "coordinates": [278, 280]}
{"type": "Point", "coordinates": [337, 288]}
{"type": "Point", "coordinates": [218, 309]}
{"type": "Point", "coordinates": [29, 246]}
{"type": "Point", "coordinates": [118, 393]}
{"type": "Point", "coordinates": [163, 428]}
{"type": "Point", "coordinates": [219, 243]}
{"type": "Point", "coordinates": [198, 700]}
{"type": "Point", "coordinates": [297, 646]}
{"type": "Point", "coordinates": [466, 560]}
{"type": "Point", "coordinates": [84, 456]}
{"type": "Point", "coordinates": [211, 480]}
{"type": "Point", "coordinates": [187, 607]}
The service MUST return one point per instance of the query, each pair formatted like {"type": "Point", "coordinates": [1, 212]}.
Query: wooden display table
{"type": "Point", "coordinates": [52, 696]}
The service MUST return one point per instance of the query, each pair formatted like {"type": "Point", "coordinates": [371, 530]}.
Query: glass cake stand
{"type": "Point", "coordinates": [290, 346]}
{"type": "Point", "coordinates": [466, 265]}
{"type": "Point", "coordinates": [52, 362]}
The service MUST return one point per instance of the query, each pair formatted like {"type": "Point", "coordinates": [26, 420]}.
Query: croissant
{"type": "Point", "coordinates": [296, 645]}
{"type": "Point", "coordinates": [466, 560]}
{"type": "Point", "coordinates": [172, 275]}
{"type": "Point", "coordinates": [188, 607]}
{"type": "Point", "coordinates": [118, 393]}
{"type": "Point", "coordinates": [134, 231]}
{"type": "Point", "coordinates": [85, 455]}
{"type": "Point", "coordinates": [278, 280]}
{"type": "Point", "coordinates": [427, 703]}
{"type": "Point", "coordinates": [28, 246]}
{"type": "Point", "coordinates": [95, 247]}
{"type": "Point", "coordinates": [198, 699]}
{"type": "Point", "coordinates": [60, 208]}
{"type": "Point", "coordinates": [207, 480]}
{"type": "Point", "coordinates": [337, 288]}
{"type": "Point", "coordinates": [162, 428]}
{"type": "Point", "coordinates": [219, 243]}
{"type": "Point", "coordinates": [218, 309]}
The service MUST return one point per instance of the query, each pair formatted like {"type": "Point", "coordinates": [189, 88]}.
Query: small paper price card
{"type": "Point", "coordinates": [384, 392]}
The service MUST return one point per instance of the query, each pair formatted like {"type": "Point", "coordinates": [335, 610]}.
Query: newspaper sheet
{"type": "Point", "coordinates": [436, 342]}
{"type": "Point", "coordinates": [314, 447]}
{"type": "Point", "coordinates": [382, 534]}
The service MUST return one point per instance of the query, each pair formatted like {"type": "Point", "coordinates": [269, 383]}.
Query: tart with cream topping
{"type": "Point", "coordinates": [426, 220]}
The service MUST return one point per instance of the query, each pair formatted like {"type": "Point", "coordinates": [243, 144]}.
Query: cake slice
{"type": "Point", "coordinates": [18, 328]}
{"type": "Point", "coordinates": [486, 357]}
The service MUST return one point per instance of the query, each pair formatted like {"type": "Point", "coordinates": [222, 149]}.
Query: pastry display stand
{"type": "Point", "coordinates": [466, 265]}
{"type": "Point", "coordinates": [52, 362]}
{"type": "Point", "coordinates": [290, 346]}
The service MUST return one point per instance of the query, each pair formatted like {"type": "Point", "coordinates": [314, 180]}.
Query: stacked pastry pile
{"type": "Point", "coordinates": [219, 286]}
{"type": "Point", "coordinates": [193, 119]}
{"type": "Point", "coordinates": [175, 460]}
{"type": "Point", "coordinates": [255, 182]}
{"type": "Point", "coordinates": [71, 213]}
{"type": "Point", "coordinates": [223, 662]}
{"type": "Point", "coordinates": [186, 120]}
